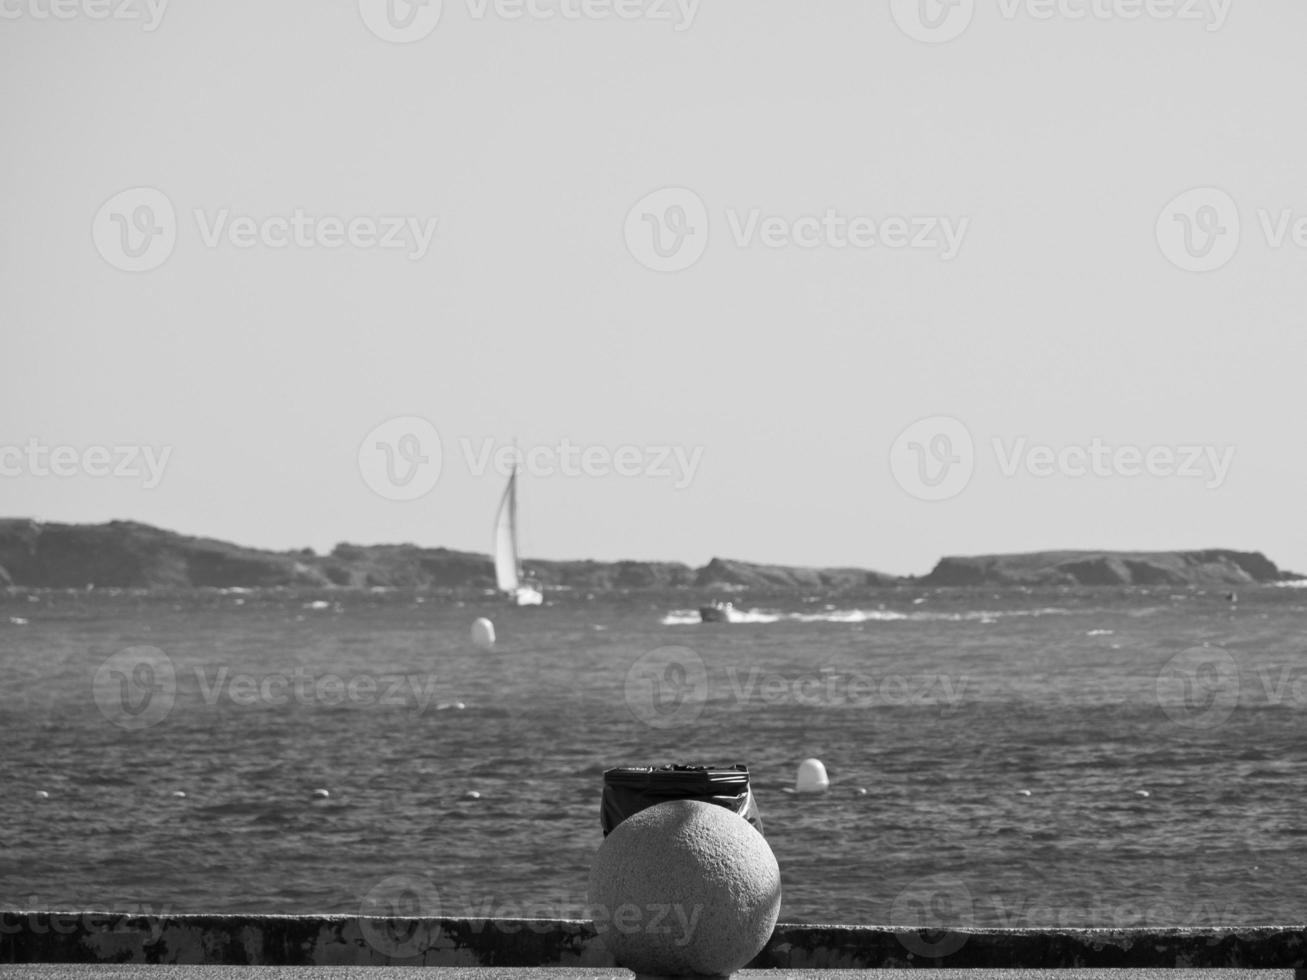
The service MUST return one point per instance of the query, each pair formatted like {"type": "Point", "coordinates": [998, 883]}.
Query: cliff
{"type": "Point", "coordinates": [125, 554]}
{"type": "Point", "coordinates": [1213, 569]}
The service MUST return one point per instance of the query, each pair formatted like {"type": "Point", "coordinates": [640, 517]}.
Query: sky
{"type": "Point", "coordinates": [818, 284]}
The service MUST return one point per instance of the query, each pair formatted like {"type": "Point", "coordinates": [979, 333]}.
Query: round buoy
{"type": "Point", "coordinates": [1143, 793]}
{"type": "Point", "coordinates": [812, 777]}
{"type": "Point", "coordinates": [703, 871]}
{"type": "Point", "coordinates": [483, 634]}
{"type": "Point", "coordinates": [1023, 792]}
{"type": "Point", "coordinates": [321, 794]}
{"type": "Point", "coordinates": [42, 794]}
{"type": "Point", "coordinates": [860, 791]}
{"type": "Point", "coordinates": [178, 795]}
{"type": "Point", "coordinates": [471, 795]}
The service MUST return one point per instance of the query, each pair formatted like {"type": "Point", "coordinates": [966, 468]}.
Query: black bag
{"type": "Point", "coordinates": [631, 789]}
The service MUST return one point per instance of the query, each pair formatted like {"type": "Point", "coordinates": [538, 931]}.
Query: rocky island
{"type": "Point", "coordinates": [126, 554]}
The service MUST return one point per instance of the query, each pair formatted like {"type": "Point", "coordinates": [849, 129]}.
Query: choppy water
{"type": "Point", "coordinates": [1055, 758]}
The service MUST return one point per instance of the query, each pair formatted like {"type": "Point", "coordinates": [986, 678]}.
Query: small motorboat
{"type": "Point", "coordinates": [717, 612]}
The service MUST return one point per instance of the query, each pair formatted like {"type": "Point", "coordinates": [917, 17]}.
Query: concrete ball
{"type": "Point", "coordinates": [685, 888]}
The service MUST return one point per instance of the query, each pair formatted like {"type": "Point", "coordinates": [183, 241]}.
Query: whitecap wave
{"type": "Point", "coordinates": [690, 617]}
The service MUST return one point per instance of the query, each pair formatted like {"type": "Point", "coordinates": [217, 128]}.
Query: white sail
{"type": "Point", "coordinates": [506, 538]}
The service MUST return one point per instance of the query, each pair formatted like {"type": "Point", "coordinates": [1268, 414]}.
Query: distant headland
{"type": "Point", "coordinates": [126, 554]}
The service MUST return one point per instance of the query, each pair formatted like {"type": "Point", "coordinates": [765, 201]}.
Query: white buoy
{"type": "Point", "coordinates": [483, 634]}
{"type": "Point", "coordinates": [471, 795]}
{"type": "Point", "coordinates": [178, 795]}
{"type": "Point", "coordinates": [321, 794]}
{"type": "Point", "coordinates": [812, 777]}
{"type": "Point", "coordinates": [42, 794]}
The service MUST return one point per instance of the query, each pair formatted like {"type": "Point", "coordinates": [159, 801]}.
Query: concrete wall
{"type": "Point", "coordinates": [93, 937]}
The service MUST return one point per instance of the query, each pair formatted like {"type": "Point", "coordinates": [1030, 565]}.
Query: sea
{"type": "Point", "coordinates": [996, 757]}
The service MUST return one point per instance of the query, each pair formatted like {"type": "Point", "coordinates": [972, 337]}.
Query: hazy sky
{"type": "Point", "coordinates": [807, 283]}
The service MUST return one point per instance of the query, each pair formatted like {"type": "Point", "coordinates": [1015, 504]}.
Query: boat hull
{"type": "Point", "coordinates": [717, 613]}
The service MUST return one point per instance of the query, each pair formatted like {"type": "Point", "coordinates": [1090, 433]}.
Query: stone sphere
{"type": "Point", "coordinates": [684, 888]}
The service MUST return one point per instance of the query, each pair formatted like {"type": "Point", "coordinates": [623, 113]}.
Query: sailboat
{"type": "Point", "coordinates": [508, 570]}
